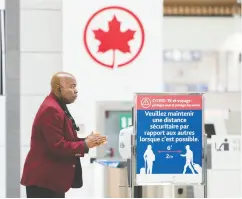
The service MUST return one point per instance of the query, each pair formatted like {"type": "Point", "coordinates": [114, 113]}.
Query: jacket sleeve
{"type": "Point", "coordinates": [86, 149]}
{"type": "Point", "coordinates": [52, 130]}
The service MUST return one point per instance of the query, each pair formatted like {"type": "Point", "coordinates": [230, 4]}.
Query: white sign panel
{"type": "Point", "coordinates": [115, 45]}
{"type": "Point", "coordinates": [226, 152]}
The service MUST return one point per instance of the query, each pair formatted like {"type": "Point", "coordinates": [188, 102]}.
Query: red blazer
{"type": "Point", "coordinates": [51, 161]}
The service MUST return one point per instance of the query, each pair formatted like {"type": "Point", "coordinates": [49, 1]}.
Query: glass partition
{"type": "Point", "coordinates": [201, 71]}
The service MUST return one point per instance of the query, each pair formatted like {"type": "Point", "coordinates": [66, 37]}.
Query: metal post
{"type": "Point", "coordinates": [205, 168]}
{"type": "Point", "coordinates": [13, 92]}
{"type": "Point", "coordinates": [173, 191]}
{"type": "Point", "coordinates": [132, 167]}
{"type": "Point", "coordinates": [132, 173]}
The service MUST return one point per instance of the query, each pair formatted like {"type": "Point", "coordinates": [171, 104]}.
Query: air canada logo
{"type": "Point", "coordinates": [114, 37]}
{"type": "Point", "coordinates": [145, 102]}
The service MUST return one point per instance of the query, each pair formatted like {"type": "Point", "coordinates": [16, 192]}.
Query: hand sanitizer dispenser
{"type": "Point", "coordinates": [125, 142]}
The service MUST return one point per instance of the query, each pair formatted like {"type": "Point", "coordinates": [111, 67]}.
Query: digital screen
{"type": "Point", "coordinates": [210, 130]}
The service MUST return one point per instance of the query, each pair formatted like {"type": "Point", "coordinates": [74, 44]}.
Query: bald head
{"type": "Point", "coordinates": [63, 85]}
{"type": "Point", "coordinates": [59, 79]}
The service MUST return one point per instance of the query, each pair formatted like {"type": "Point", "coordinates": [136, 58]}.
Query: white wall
{"type": "Point", "coordinates": [202, 33]}
{"type": "Point", "coordinates": [97, 83]}
{"type": "Point", "coordinates": [41, 56]}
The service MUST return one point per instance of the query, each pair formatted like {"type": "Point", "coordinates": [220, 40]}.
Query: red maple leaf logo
{"type": "Point", "coordinates": [114, 39]}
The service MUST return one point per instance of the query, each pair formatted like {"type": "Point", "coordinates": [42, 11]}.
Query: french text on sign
{"type": "Point", "coordinates": [169, 102]}
{"type": "Point", "coordinates": [169, 131]}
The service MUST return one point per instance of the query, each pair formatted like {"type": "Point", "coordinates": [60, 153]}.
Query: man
{"type": "Point", "coordinates": [189, 159]}
{"type": "Point", "coordinates": [52, 165]}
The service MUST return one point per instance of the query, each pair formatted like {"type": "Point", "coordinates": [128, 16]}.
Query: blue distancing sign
{"type": "Point", "coordinates": [169, 138]}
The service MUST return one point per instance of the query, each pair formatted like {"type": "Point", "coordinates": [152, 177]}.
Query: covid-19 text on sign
{"type": "Point", "coordinates": [169, 131]}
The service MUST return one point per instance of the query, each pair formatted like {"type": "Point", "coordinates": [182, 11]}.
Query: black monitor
{"type": "Point", "coordinates": [210, 130]}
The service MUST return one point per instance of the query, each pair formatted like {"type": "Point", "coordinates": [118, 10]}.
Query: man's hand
{"type": "Point", "coordinates": [103, 142]}
{"type": "Point", "coordinates": [95, 139]}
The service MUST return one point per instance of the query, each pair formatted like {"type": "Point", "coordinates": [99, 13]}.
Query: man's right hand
{"type": "Point", "coordinates": [95, 139]}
